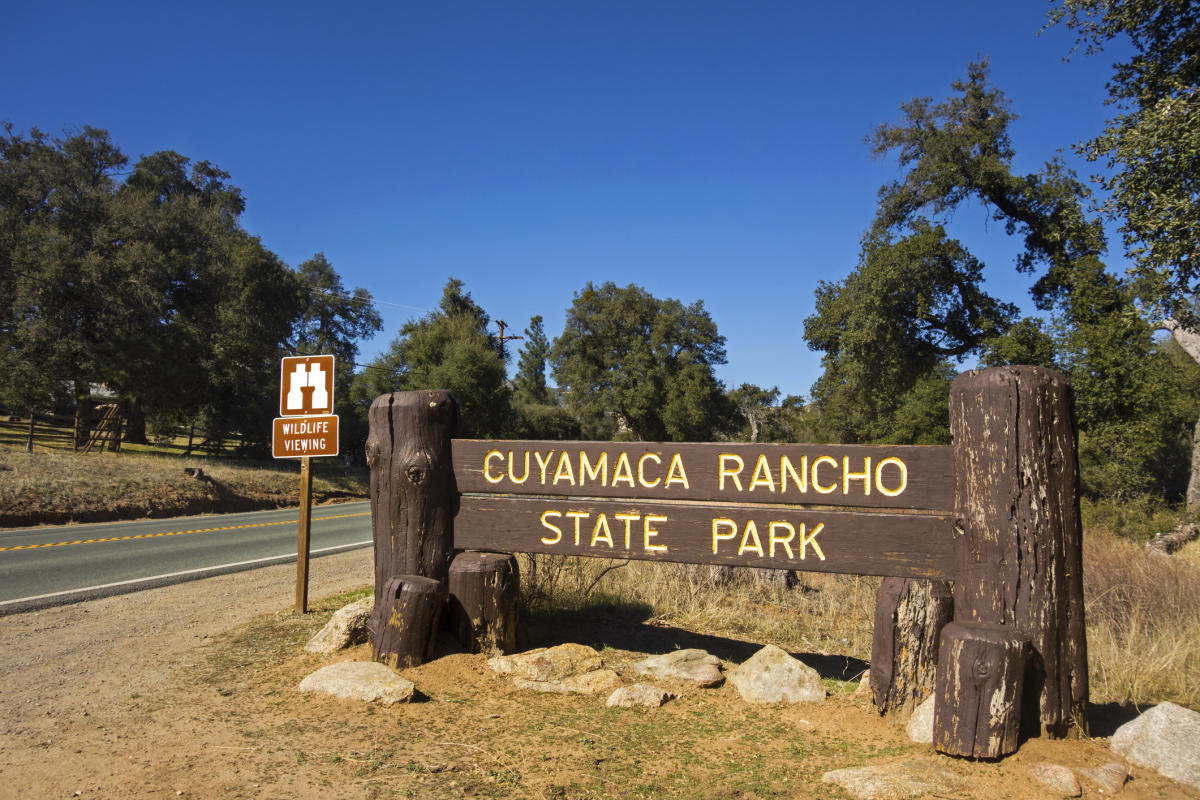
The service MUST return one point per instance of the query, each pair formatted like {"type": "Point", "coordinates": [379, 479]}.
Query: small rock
{"type": "Point", "coordinates": [588, 683]}
{"type": "Point", "coordinates": [1058, 778]}
{"type": "Point", "coordinates": [772, 676]}
{"type": "Point", "coordinates": [1111, 777]}
{"type": "Point", "coordinates": [920, 724]}
{"type": "Point", "coordinates": [347, 626]}
{"type": "Point", "coordinates": [895, 781]}
{"type": "Point", "coordinates": [690, 666]}
{"type": "Point", "coordinates": [553, 664]}
{"type": "Point", "coordinates": [1165, 739]}
{"type": "Point", "coordinates": [639, 695]}
{"type": "Point", "coordinates": [598, 680]}
{"type": "Point", "coordinates": [360, 680]}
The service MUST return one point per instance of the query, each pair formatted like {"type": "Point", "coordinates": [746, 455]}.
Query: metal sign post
{"type": "Point", "coordinates": [306, 427]}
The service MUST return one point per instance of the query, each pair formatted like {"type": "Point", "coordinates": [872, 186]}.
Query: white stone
{"type": "Point", "coordinates": [1110, 777]}
{"type": "Point", "coordinates": [690, 666]}
{"type": "Point", "coordinates": [347, 626]}
{"type": "Point", "coordinates": [360, 680]}
{"type": "Point", "coordinates": [639, 695]}
{"type": "Point", "coordinates": [772, 676]}
{"type": "Point", "coordinates": [895, 781]}
{"type": "Point", "coordinates": [592, 682]}
{"type": "Point", "coordinates": [552, 664]}
{"type": "Point", "coordinates": [1165, 739]}
{"type": "Point", "coordinates": [920, 724]}
{"type": "Point", "coordinates": [1057, 777]}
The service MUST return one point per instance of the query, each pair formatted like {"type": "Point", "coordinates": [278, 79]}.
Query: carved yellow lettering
{"type": "Point", "coordinates": [762, 468]}
{"type": "Point", "coordinates": [578, 515]}
{"type": "Point", "coordinates": [811, 538]}
{"type": "Point", "coordinates": [864, 476]}
{"type": "Point", "coordinates": [623, 471]}
{"type": "Point", "coordinates": [676, 473]}
{"type": "Point", "coordinates": [800, 479]}
{"type": "Point", "coordinates": [783, 540]}
{"type": "Point", "coordinates": [648, 533]}
{"type": "Point", "coordinates": [487, 466]}
{"type": "Point", "coordinates": [642, 470]}
{"type": "Point", "coordinates": [628, 519]}
{"type": "Point", "coordinates": [751, 531]}
{"type": "Point", "coordinates": [903, 476]}
{"type": "Point", "coordinates": [587, 470]}
{"type": "Point", "coordinates": [718, 537]}
{"type": "Point", "coordinates": [543, 464]}
{"type": "Point", "coordinates": [602, 522]}
{"type": "Point", "coordinates": [552, 527]}
{"type": "Point", "coordinates": [564, 472]}
{"type": "Point", "coordinates": [816, 483]}
{"type": "Point", "coordinates": [733, 474]}
{"type": "Point", "coordinates": [511, 475]}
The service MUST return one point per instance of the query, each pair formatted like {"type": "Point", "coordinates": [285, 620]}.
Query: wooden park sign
{"type": "Point", "coordinates": [996, 514]}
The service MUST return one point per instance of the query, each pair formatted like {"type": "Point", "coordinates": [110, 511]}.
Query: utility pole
{"type": "Point", "coordinates": [501, 324]}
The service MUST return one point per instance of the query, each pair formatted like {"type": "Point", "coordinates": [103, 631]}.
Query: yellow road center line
{"type": "Point", "coordinates": [174, 533]}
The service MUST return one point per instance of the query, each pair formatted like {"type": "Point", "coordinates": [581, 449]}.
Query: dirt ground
{"type": "Point", "coordinates": [190, 691]}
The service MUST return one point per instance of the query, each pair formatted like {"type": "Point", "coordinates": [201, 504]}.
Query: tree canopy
{"type": "Point", "coordinates": [630, 362]}
{"type": "Point", "coordinates": [451, 349]}
{"type": "Point", "coordinates": [913, 306]}
{"type": "Point", "coordinates": [145, 281]}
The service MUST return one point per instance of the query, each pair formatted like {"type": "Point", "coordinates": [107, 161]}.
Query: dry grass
{"type": "Point", "coordinates": [55, 487]}
{"type": "Point", "coordinates": [1143, 620]}
{"type": "Point", "coordinates": [821, 613]}
{"type": "Point", "coordinates": [1143, 612]}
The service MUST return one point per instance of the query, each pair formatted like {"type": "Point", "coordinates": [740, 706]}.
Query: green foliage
{"type": "Point", "coordinates": [1133, 403]}
{"type": "Point", "coordinates": [1025, 342]}
{"type": "Point", "coordinates": [449, 349]}
{"type": "Point", "coordinates": [1152, 148]}
{"type": "Point", "coordinates": [530, 382]}
{"type": "Point", "coordinates": [757, 412]}
{"type": "Point", "coordinates": [148, 285]}
{"type": "Point", "coordinates": [888, 331]}
{"type": "Point", "coordinates": [630, 364]}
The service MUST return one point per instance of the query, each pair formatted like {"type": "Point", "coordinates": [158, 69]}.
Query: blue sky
{"type": "Point", "coordinates": [704, 150]}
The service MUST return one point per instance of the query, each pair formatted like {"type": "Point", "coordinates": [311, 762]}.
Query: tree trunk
{"type": "Point", "coordinates": [1017, 507]}
{"type": "Point", "coordinates": [135, 424]}
{"type": "Point", "coordinates": [1189, 341]}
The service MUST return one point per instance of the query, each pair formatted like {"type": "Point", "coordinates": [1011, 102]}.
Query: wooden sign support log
{"type": "Point", "coordinates": [482, 603]}
{"type": "Point", "coordinates": [909, 616]}
{"type": "Point", "coordinates": [403, 625]}
{"type": "Point", "coordinates": [977, 710]}
{"type": "Point", "coordinates": [1020, 560]}
{"type": "Point", "coordinates": [413, 501]}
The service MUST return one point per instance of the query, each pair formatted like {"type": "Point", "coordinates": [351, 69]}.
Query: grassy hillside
{"type": "Point", "coordinates": [58, 486]}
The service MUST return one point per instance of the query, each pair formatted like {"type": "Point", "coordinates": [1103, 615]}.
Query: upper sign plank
{"type": "Point", "coordinates": [896, 477]}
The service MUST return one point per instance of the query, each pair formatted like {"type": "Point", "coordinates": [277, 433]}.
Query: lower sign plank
{"type": "Point", "coordinates": [906, 545]}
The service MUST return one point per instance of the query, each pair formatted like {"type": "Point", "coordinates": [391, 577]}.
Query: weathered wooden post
{"type": "Point", "coordinates": [413, 502]}
{"type": "Point", "coordinates": [1019, 551]}
{"type": "Point", "coordinates": [484, 592]}
{"type": "Point", "coordinates": [909, 616]}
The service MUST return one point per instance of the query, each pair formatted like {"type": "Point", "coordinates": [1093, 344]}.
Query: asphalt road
{"type": "Point", "coordinates": [62, 564]}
